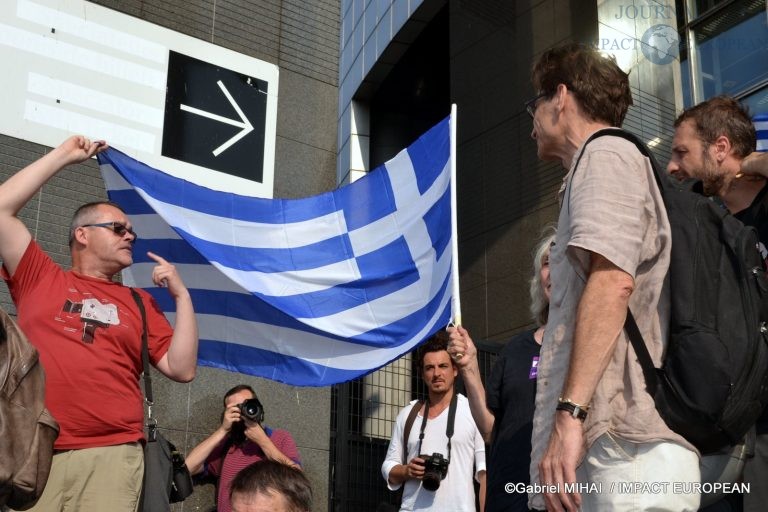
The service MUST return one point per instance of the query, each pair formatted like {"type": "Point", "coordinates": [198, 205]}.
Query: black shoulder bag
{"type": "Point", "coordinates": [166, 477]}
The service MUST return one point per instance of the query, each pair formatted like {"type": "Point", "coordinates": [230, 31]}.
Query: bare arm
{"type": "Point", "coordinates": [256, 433]}
{"type": "Point", "coordinates": [180, 362]}
{"type": "Point", "coordinates": [482, 477]}
{"type": "Point", "coordinates": [599, 321]}
{"type": "Point", "coordinates": [461, 343]}
{"type": "Point", "coordinates": [17, 190]}
{"type": "Point", "coordinates": [196, 458]}
{"type": "Point", "coordinates": [403, 472]}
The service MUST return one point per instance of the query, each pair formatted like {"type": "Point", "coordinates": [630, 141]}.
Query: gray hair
{"type": "Point", "coordinates": [85, 214]}
{"type": "Point", "coordinates": [539, 301]}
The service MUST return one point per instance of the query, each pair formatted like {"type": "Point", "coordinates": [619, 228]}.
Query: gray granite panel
{"type": "Point", "coordinates": [307, 172]}
{"type": "Point", "coordinates": [250, 27]}
{"type": "Point", "coordinates": [310, 33]}
{"type": "Point", "coordinates": [194, 18]}
{"type": "Point", "coordinates": [308, 109]}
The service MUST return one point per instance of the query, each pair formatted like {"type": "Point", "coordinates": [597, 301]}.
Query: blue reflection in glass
{"type": "Point", "coordinates": [757, 102]}
{"type": "Point", "coordinates": [736, 59]}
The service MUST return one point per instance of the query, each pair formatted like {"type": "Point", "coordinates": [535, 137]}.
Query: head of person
{"type": "Point", "coordinates": [238, 395]}
{"type": "Point", "coordinates": [540, 282]}
{"type": "Point", "coordinates": [101, 233]}
{"type": "Point", "coordinates": [438, 369]}
{"type": "Point", "coordinates": [711, 139]}
{"type": "Point", "coordinates": [575, 85]}
{"type": "Point", "coordinates": [268, 486]}
{"type": "Point", "coordinates": [235, 396]}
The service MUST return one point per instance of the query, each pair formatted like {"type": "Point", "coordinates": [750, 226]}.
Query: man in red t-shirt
{"type": "Point", "coordinates": [88, 330]}
{"type": "Point", "coordinates": [238, 443]}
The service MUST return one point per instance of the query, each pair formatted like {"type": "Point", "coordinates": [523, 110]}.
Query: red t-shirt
{"type": "Point", "coordinates": [88, 332]}
{"type": "Point", "coordinates": [227, 466]}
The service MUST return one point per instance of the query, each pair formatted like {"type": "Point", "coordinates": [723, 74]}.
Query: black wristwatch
{"type": "Point", "coordinates": [577, 411]}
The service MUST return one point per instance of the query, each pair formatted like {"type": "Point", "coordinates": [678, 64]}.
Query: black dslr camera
{"type": "Point", "coordinates": [435, 469]}
{"type": "Point", "coordinates": [252, 410]}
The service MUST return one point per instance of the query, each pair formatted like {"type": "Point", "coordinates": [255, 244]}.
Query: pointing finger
{"type": "Point", "coordinates": [158, 259]}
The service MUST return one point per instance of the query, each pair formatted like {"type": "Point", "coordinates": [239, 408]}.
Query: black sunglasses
{"type": "Point", "coordinates": [530, 105]}
{"type": "Point", "coordinates": [117, 228]}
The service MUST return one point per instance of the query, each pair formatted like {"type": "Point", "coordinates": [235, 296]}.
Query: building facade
{"type": "Point", "coordinates": [358, 81]}
{"type": "Point", "coordinates": [299, 38]}
{"type": "Point", "coordinates": [403, 62]}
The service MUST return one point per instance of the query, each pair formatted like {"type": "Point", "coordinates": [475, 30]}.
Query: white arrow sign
{"type": "Point", "coordinates": [246, 125]}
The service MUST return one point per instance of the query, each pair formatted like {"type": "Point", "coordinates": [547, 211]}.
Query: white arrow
{"type": "Point", "coordinates": [246, 125]}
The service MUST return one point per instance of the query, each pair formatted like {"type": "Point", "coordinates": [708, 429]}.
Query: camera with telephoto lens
{"type": "Point", "coordinates": [435, 469]}
{"type": "Point", "coordinates": [252, 410]}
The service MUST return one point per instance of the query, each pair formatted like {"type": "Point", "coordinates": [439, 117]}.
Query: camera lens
{"type": "Point", "coordinates": [252, 410]}
{"type": "Point", "coordinates": [435, 468]}
{"type": "Point", "coordinates": [431, 481]}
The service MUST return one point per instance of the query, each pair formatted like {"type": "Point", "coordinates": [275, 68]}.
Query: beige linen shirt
{"type": "Point", "coordinates": [610, 205]}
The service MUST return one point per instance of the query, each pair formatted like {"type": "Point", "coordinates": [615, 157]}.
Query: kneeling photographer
{"type": "Point", "coordinates": [436, 448]}
{"type": "Point", "coordinates": [241, 440]}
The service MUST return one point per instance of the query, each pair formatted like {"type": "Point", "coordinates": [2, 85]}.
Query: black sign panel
{"type": "Point", "coordinates": [215, 117]}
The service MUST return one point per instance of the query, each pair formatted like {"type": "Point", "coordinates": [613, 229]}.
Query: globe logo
{"type": "Point", "coordinates": [660, 44]}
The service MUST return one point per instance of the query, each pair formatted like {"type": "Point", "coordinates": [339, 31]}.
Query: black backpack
{"type": "Point", "coordinates": [713, 383]}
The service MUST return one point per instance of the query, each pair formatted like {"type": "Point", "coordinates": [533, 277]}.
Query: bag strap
{"type": "Point", "coordinates": [641, 351]}
{"type": "Point", "coordinates": [408, 425]}
{"type": "Point", "coordinates": [630, 325]}
{"type": "Point", "coordinates": [148, 396]}
{"type": "Point", "coordinates": [631, 137]}
{"type": "Point", "coordinates": [661, 179]}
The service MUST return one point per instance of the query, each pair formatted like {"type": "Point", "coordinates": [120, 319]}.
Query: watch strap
{"type": "Point", "coordinates": [577, 411]}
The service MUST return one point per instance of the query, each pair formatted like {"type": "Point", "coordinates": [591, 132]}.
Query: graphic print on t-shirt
{"type": "Point", "coordinates": [93, 314]}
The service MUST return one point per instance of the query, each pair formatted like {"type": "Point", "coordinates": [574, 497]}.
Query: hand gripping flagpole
{"type": "Point", "coordinates": [455, 297]}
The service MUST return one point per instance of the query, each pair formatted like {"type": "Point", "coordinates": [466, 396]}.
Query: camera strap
{"type": "Point", "coordinates": [408, 424]}
{"type": "Point", "coordinates": [448, 427]}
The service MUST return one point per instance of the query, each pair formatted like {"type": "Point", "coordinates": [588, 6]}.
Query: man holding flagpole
{"type": "Point", "coordinates": [88, 330]}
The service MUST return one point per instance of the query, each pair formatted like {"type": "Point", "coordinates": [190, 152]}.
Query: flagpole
{"type": "Point", "coordinates": [455, 296]}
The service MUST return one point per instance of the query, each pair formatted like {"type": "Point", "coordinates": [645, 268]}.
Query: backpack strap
{"type": "Point", "coordinates": [641, 351]}
{"type": "Point", "coordinates": [661, 179]}
{"type": "Point", "coordinates": [408, 425]}
{"type": "Point", "coordinates": [630, 325]}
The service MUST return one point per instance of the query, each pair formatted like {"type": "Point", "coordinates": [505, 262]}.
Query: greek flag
{"type": "Point", "coordinates": [310, 292]}
{"type": "Point", "coordinates": [761, 125]}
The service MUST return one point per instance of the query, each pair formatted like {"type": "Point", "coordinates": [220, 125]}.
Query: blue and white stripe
{"type": "Point", "coordinates": [761, 125]}
{"type": "Point", "coordinates": [311, 291]}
